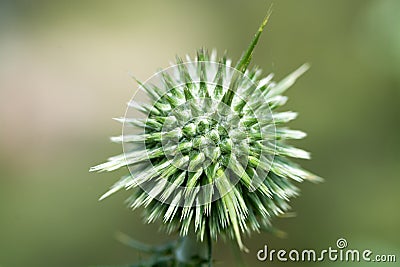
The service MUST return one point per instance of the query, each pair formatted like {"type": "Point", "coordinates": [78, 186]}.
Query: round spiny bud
{"type": "Point", "coordinates": [211, 154]}
{"type": "Point", "coordinates": [201, 162]}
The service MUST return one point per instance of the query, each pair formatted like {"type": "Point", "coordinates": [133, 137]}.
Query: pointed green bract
{"type": "Point", "coordinates": [245, 59]}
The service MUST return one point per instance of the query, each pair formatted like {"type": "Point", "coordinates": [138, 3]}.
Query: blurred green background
{"type": "Point", "coordinates": [64, 74]}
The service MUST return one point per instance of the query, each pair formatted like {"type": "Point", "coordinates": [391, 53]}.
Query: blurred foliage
{"type": "Point", "coordinates": [63, 76]}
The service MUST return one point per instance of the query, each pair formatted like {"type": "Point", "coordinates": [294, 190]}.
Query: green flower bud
{"type": "Point", "coordinates": [212, 151]}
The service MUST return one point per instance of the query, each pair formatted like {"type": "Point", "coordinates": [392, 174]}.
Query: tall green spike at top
{"type": "Point", "coordinates": [245, 60]}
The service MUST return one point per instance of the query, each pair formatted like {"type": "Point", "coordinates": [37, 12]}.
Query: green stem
{"type": "Point", "coordinates": [191, 252]}
{"type": "Point", "coordinates": [209, 244]}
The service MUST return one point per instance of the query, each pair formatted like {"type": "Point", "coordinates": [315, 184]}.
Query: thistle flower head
{"type": "Point", "coordinates": [209, 153]}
